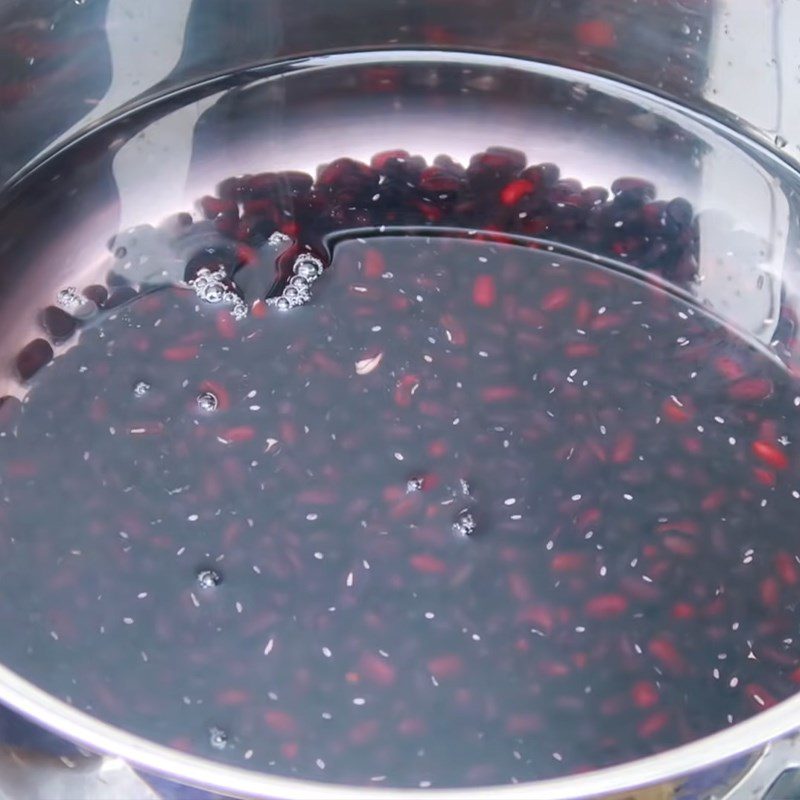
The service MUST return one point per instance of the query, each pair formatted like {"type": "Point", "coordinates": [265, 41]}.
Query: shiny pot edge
{"type": "Point", "coordinates": [98, 736]}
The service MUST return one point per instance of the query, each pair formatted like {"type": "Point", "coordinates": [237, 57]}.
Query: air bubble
{"type": "Point", "coordinates": [308, 267]}
{"type": "Point", "coordinates": [465, 524]}
{"type": "Point", "coordinates": [79, 306]}
{"type": "Point", "coordinates": [207, 401]}
{"type": "Point", "coordinates": [214, 293]}
{"type": "Point", "coordinates": [217, 738]}
{"type": "Point", "coordinates": [209, 578]}
{"type": "Point", "coordinates": [239, 310]}
{"type": "Point", "coordinates": [278, 238]}
{"type": "Point", "coordinates": [70, 298]}
{"type": "Point", "coordinates": [214, 287]}
{"type": "Point", "coordinates": [141, 388]}
{"type": "Point", "coordinates": [210, 286]}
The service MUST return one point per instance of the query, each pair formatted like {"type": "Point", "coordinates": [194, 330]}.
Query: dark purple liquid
{"type": "Point", "coordinates": [475, 513]}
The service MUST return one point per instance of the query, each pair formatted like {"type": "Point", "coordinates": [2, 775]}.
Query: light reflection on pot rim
{"type": "Point", "coordinates": [714, 750]}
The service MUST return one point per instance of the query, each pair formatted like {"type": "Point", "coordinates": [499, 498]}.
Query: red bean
{"type": "Point", "coordinates": [289, 750]}
{"type": "Point", "coordinates": [770, 454]}
{"type": "Point", "coordinates": [523, 724]}
{"type": "Point", "coordinates": [241, 433]}
{"type": "Point", "coordinates": [568, 562]}
{"type": "Point", "coordinates": [376, 669]}
{"type": "Point", "coordinates": [667, 654]}
{"type": "Point", "coordinates": [445, 666]}
{"type": "Point", "coordinates": [181, 353]}
{"type": "Point", "coordinates": [653, 725]}
{"type": "Point", "coordinates": [596, 33]}
{"type": "Point", "coordinates": [429, 564]}
{"type": "Point", "coordinates": [683, 611]}
{"type": "Point", "coordinates": [33, 357]}
{"type": "Point", "coordinates": [729, 368]}
{"type": "Point", "coordinates": [281, 722]}
{"type": "Point", "coordinates": [556, 300]}
{"type": "Point", "coordinates": [363, 733]}
{"type": "Point", "coordinates": [770, 593]}
{"type": "Point", "coordinates": [676, 411]}
{"type": "Point", "coordinates": [787, 569]}
{"type": "Point", "coordinates": [759, 696]}
{"type": "Point", "coordinates": [645, 694]}
{"type": "Point", "coordinates": [750, 389]}
{"type": "Point", "coordinates": [404, 392]}
{"type": "Point", "coordinates": [685, 526]}
{"type": "Point", "coordinates": [606, 606]}
{"type": "Point", "coordinates": [513, 192]}
{"type": "Point", "coordinates": [484, 292]}
{"type": "Point", "coordinates": [233, 697]}
{"type": "Point", "coordinates": [499, 394]}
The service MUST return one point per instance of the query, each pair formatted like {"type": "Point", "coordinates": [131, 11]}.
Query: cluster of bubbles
{"type": "Point", "coordinates": [465, 524]}
{"type": "Point", "coordinates": [215, 287]}
{"type": "Point", "coordinates": [278, 238]}
{"type": "Point", "coordinates": [70, 297]}
{"type": "Point", "coordinates": [80, 306]}
{"type": "Point", "coordinates": [415, 484]}
{"type": "Point", "coordinates": [206, 401]}
{"type": "Point", "coordinates": [141, 388]}
{"type": "Point", "coordinates": [306, 269]}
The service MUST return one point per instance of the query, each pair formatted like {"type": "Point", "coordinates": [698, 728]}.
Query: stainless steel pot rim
{"type": "Point", "coordinates": [101, 737]}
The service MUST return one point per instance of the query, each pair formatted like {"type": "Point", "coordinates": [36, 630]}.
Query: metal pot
{"type": "Point", "coordinates": [97, 75]}
{"type": "Point", "coordinates": [756, 760]}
